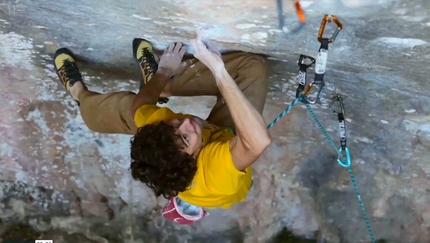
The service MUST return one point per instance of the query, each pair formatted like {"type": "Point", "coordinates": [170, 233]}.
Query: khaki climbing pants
{"type": "Point", "coordinates": [111, 112]}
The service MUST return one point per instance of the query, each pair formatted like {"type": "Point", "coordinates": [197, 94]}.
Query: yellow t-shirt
{"type": "Point", "coordinates": [217, 182]}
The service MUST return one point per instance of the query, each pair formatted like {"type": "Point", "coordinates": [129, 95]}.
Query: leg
{"type": "Point", "coordinates": [108, 113]}
{"type": "Point", "coordinates": [250, 72]}
{"type": "Point", "coordinates": [105, 113]}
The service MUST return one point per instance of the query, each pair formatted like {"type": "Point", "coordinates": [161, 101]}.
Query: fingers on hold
{"type": "Point", "coordinates": [183, 50]}
{"type": "Point", "coordinates": [206, 44]}
{"type": "Point", "coordinates": [194, 44]}
{"type": "Point", "coordinates": [178, 46]}
{"type": "Point", "coordinates": [200, 45]}
{"type": "Point", "coordinates": [210, 45]}
{"type": "Point", "coordinates": [212, 50]}
{"type": "Point", "coordinates": [171, 46]}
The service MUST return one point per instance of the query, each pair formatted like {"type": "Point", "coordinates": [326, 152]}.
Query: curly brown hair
{"type": "Point", "coordinates": [158, 161]}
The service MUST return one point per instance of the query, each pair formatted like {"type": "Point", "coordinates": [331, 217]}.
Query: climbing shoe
{"type": "Point", "coordinates": [143, 54]}
{"type": "Point", "coordinates": [66, 68]}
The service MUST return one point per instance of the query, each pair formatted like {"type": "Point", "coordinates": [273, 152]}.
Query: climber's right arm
{"type": "Point", "coordinates": [252, 134]}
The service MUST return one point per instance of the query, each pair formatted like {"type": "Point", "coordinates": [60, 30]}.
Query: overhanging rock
{"type": "Point", "coordinates": [57, 174]}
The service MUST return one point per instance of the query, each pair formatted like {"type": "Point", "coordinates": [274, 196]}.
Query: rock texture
{"type": "Point", "coordinates": [57, 175]}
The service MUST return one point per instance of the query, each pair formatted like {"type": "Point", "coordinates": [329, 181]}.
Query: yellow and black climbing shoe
{"type": "Point", "coordinates": [66, 68]}
{"type": "Point", "coordinates": [143, 54]}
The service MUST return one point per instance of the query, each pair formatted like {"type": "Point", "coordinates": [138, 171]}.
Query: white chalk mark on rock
{"type": "Point", "coordinates": [401, 42]}
{"type": "Point", "coordinates": [259, 35]}
{"type": "Point", "coordinates": [245, 26]}
{"type": "Point", "coordinates": [140, 17]}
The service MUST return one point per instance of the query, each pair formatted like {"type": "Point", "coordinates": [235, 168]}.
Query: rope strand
{"type": "Point", "coordinates": [340, 160]}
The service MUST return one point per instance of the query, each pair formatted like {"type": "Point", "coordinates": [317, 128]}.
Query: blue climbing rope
{"type": "Point", "coordinates": [347, 165]}
{"type": "Point", "coordinates": [344, 161]}
{"type": "Point", "coordinates": [285, 112]}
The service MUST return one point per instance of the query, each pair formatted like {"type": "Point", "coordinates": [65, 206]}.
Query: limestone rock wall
{"type": "Point", "coordinates": [56, 174]}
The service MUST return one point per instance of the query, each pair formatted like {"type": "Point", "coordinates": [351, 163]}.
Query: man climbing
{"type": "Point", "coordinates": [195, 163]}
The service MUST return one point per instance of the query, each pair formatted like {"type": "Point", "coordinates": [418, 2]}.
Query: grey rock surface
{"type": "Point", "coordinates": [56, 174]}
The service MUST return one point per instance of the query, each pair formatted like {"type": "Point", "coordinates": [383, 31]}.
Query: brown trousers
{"type": "Point", "coordinates": [111, 112]}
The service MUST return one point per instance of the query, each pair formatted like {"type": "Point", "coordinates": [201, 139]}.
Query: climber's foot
{"type": "Point", "coordinates": [68, 72]}
{"type": "Point", "coordinates": [144, 55]}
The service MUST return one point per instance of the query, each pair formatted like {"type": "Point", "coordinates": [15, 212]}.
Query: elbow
{"type": "Point", "coordinates": [255, 144]}
{"type": "Point", "coordinates": [265, 143]}
{"type": "Point", "coordinates": [262, 145]}
{"type": "Point", "coordinates": [268, 141]}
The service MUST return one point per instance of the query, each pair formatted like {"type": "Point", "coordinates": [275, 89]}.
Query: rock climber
{"type": "Point", "coordinates": [197, 164]}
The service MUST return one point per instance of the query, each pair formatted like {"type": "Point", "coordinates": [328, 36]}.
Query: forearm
{"type": "Point", "coordinates": [250, 126]}
{"type": "Point", "coordinates": [150, 93]}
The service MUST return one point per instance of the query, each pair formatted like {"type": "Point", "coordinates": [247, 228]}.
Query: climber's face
{"type": "Point", "coordinates": [189, 131]}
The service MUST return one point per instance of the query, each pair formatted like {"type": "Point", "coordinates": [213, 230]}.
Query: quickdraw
{"type": "Point", "coordinates": [321, 60]}
{"type": "Point", "coordinates": [300, 16]}
{"type": "Point", "coordinates": [344, 158]}
{"type": "Point", "coordinates": [302, 75]}
{"type": "Point", "coordinates": [342, 131]}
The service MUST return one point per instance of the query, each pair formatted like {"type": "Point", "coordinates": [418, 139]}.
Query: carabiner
{"type": "Point", "coordinates": [305, 98]}
{"type": "Point", "coordinates": [302, 75]}
{"type": "Point", "coordinates": [302, 61]}
{"type": "Point", "coordinates": [341, 119]}
{"type": "Point", "coordinates": [347, 157]}
{"type": "Point", "coordinates": [338, 98]}
{"type": "Point", "coordinates": [329, 18]}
